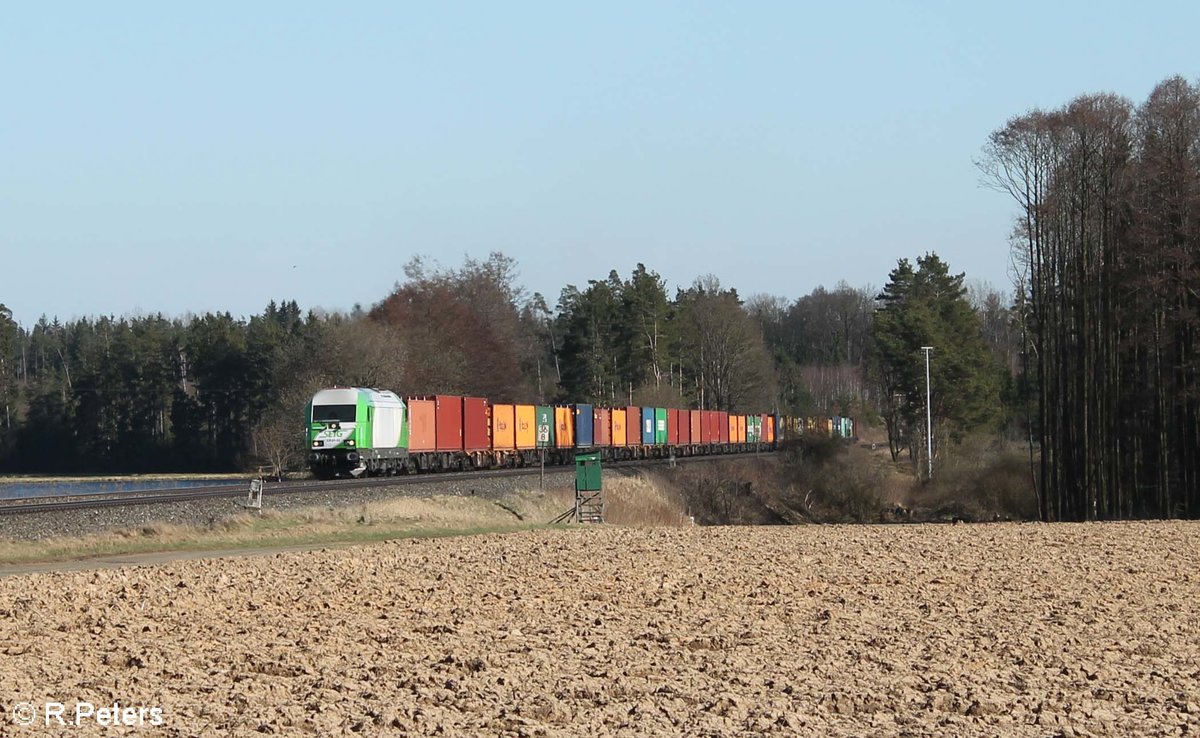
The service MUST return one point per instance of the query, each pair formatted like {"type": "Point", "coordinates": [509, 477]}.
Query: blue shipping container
{"type": "Point", "coordinates": [584, 427]}
{"type": "Point", "coordinates": [647, 426]}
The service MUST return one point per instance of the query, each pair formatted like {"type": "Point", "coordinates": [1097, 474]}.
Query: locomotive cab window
{"type": "Point", "coordinates": [331, 413]}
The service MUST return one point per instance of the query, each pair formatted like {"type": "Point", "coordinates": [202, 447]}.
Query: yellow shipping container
{"type": "Point", "coordinates": [526, 426]}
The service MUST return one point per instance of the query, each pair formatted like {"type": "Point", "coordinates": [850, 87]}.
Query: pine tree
{"type": "Point", "coordinates": [928, 306]}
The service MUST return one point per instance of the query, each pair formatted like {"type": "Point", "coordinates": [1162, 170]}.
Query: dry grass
{"type": "Point", "coordinates": [635, 501]}
{"type": "Point", "coordinates": [372, 521]}
{"type": "Point", "coordinates": [640, 501]}
{"type": "Point", "coordinates": [435, 512]}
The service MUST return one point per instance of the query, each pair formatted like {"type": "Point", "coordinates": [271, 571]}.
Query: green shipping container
{"type": "Point", "coordinates": [660, 425]}
{"type": "Point", "coordinates": [544, 419]}
{"type": "Point", "coordinates": [753, 429]}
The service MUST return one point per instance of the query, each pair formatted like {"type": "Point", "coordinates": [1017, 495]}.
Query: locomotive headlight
{"type": "Point", "coordinates": [317, 444]}
{"type": "Point", "coordinates": [349, 441]}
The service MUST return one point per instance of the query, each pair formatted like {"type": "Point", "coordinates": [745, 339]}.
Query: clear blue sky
{"type": "Point", "coordinates": [166, 157]}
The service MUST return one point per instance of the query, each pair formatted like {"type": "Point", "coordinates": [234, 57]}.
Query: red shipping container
{"type": "Point", "coordinates": [633, 425]}
{"type": "Point", "coordinates": [476, 424]}
{"type": "Point", "coordinates": [694, 433]}
{"type": "Point", "coordinates": [602, 426]}
{"type": "Point", "coordinates": [723, 426]}
{"type": "Point", "coordinates": [710, 427]}
{"type": "Point", "coordinates": [422, 424]}
{"type": "Point", "coordinates": [449, 422]}
{"type": "Point", "coordinates": [672, 427]}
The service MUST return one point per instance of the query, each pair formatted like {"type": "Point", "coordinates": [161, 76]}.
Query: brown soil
{"type": "Point", "coordinates": [1030, 630]}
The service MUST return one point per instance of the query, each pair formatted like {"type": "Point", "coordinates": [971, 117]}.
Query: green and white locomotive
{"type": "Point", "coordinates": [355, 430]}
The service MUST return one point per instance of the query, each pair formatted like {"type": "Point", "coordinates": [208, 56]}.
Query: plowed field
{"type": "Point", "coordinates": [1031, 630]}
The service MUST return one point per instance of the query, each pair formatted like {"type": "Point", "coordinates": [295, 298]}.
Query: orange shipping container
{"type": "Point", "coordinates": [741, 429]}
{"type": "Point", "coordinates": [421, 425]}
{"type": "Point", "coordinates": [731, 428]}
{"type": "Point", "coordinates": [618, 427]}
{"type": "Point", "coordinates": [504, 427]}
{"type": "Point", "coordinates": [769, 433]}
{"type": "Point", "coordinates": [526, 426]}
{"type": "Point", "coordinates": [564, 430]}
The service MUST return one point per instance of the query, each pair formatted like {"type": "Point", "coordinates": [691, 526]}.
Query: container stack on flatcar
{"type": "Point", "coordinates": [353, 431]}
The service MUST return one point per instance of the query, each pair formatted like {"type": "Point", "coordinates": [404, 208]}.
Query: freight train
{"type": "Point", "coordinates": [354, 431]}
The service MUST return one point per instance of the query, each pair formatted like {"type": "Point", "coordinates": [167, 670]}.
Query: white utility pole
{"type": "Point", "coordinates": [928, 413]}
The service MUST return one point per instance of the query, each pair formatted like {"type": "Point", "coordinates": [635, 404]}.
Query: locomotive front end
{"type": "Point", "coordinates": [333, 443]}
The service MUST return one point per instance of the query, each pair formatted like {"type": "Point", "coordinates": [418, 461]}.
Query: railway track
{"type": "Point", "coordinates": [151, 497]}
{"type": "Point", "coordinates": [85, 502]}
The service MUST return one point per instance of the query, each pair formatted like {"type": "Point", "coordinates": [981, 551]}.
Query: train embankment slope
{"type": "Point", "coordinates": [155, 533]}
{"type": "Point", "coordinates": [1006, 629]}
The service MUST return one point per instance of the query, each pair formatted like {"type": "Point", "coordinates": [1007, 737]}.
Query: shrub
{"type": "Point", "coordinates": [828, 486]}
{"type": "Point", "coordinates": [981, 478]}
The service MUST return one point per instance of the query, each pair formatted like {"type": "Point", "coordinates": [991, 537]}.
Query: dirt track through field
{"type": "Point", "coordinates": [884, 630]}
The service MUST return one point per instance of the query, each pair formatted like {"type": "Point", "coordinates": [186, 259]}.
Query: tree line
{"type": "Point", "coordinates": [214, 392]}
{"type": "Point", "coordinates": [1107, 242]}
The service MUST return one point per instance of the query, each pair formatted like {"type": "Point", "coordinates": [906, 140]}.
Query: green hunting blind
{"type": "Point", "coordinates": [587, 472]}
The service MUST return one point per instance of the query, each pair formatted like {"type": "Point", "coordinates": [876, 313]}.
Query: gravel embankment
{"type": "Point", "coordinates": [72, 523]}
